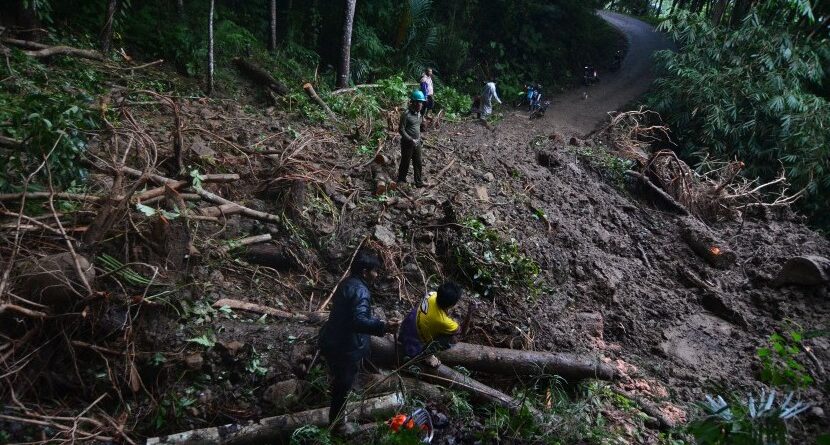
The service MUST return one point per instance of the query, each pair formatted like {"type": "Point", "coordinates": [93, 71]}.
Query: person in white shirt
{"type": "Point", "coordinates": [487, 97]}
{"type": "Point", "coordinates": [428, 90]}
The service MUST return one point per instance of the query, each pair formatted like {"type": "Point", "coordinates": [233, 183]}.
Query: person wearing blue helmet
{"type": "Point", "coordinates": [410, 130]}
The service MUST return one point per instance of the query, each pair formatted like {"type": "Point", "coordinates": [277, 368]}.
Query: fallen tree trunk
{"type": "Point", "coordinates": [277, 429]}
{"type": "Point", "coordinates": [260, 76]}
{"type": "Point", "coordinates": [667, 199]}
{"type": "Point", "coordinates": [310, 317]}
{"type": "Point", "coordinates": [706, 246]}
{"type": "Point", "coordinates": [385, 383]}
{"type": "Point", "coordinates": [65, 51]}
{"type": "Point", "coordinates": [309, 91]}
{"type": "Point", "coordinates": [808, 270]}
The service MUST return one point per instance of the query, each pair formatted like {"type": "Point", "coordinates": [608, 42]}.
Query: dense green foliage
{"type": "Point", "coordinates": [751, 92]}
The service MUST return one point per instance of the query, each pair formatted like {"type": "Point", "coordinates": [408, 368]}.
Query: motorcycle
{"type": "Point", "coordinates": [526, 97]}
{"type": "Point", "coordinates": [539, 108]}
{"type": "Point", "coordinates": [589, 75]}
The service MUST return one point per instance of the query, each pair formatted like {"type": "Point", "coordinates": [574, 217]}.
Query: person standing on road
{"type": "Point", "coordinates": [344, 338]}
{"type": "Point", "coordinates": [410, 130]}
{"type": "Point", "coordinates": [487, 97]}
{"type": "Point", "coordinates": [428, 90]}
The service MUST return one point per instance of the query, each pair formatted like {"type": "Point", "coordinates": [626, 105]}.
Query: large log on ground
{"type": "Point", "coordinates": [277, 429]}
{"type": "Point", "coordinates": [808, 270]}
{"type": "Point", "coordinates": [517, 362]}
{"type": "Point", "coordinates": [513, 362]}
{"type": "Point", "coordinates": [703, 243]}
{"type": "Point", "coordinates": [260, 76]}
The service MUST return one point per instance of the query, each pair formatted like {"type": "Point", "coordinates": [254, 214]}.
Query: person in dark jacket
{"type": "Point", "coordinates": [344, 339]}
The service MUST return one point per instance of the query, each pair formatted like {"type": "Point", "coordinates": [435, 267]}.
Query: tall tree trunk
{"type": "Point", "coordinates": [210, 48]}
{"type": "Point", "coordinates": [346, 47]}
{"type": "Point", "coordinates": [180, 9]}
{"type": "Point", "coordinates": [272, 42]}
{"type": "Point", "coordinates": [106, 32]}
{"type": "Point", "coordinates": [717, 11]}
{"type": "Point", "coordinates": [739, 11]}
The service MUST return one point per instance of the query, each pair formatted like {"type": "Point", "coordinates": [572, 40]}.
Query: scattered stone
{"type": "Point", "coordinates": [232, 348]}
{"type": "Point", "coordinates": [489, 177]}
{"type": "Point", "coordinates": [385, 235]}
{"type": "Point", "coordinates": [284, 394]}
{"type": "Point", "coordinates": [489, 218]}
{"type": "Point", "coordinates": [575, 142]}
{"type": "Point", "coordinates": [481, 193]}
{"type": "Point", "coordinates": [194, 361]}
{"type": "Point", "coordinates": [816, 412]}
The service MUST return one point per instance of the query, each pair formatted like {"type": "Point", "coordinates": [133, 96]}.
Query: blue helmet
{"type": "Point", "coordinates": [418, 96]}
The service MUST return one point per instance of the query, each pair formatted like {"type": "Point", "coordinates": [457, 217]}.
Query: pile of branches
{"type": "Point", "coordinates": [78, 270]}
{"type": "Point", "coordinates": [715, 192]}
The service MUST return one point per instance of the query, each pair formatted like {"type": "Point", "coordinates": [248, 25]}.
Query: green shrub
{"type": "Point", "coordinates": [780, 365]}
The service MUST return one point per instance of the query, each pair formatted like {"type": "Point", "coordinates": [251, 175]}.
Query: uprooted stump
{"type": "Point", "coordinates": [53, 280]}
{"type": "Point", "coordinates": [277, 429]}
{"type": "Point", "coordinates": [707, 247]}
{"type": "Point", "coordinates": [808, 270]}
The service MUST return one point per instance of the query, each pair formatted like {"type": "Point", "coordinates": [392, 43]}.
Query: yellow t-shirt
{"type": "Point", "coordinates": [433, 321]}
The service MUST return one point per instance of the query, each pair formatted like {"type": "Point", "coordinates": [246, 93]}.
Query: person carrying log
{"type": "Point", "coordinates": [428, 328]}
{"type": "Point", "coordinates": [410, 130]}
{"type": "Point", "coordinates": [344, 338]}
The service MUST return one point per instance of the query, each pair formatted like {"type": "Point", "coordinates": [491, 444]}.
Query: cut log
{"type": "Point", "coordinates": [808, 270]}
{"type": "Point", "coordinates": [260, 76]}
{"type": "Point", "coordinates": [222, 211]}
{"type": "Point", "coordinates": [277, 429]}
{"type": "Point", "coordinates": [384, 383]}
{"type": "Point", "coordinates": [514, 362]}
{"type": "Point", "coordinates": [309, 317]}
{"type": "Point", "coordinates": [309, 91]}
{"type": "Point", "coordinates": [706, 246]}
{"type": "Point", "coordinates": [39, 50]}
{"type": "Point", "coordinates": [665, 197]}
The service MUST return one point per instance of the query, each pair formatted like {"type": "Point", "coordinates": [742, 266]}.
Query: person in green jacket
{"type": "Point", "coordinates": [410, 130]}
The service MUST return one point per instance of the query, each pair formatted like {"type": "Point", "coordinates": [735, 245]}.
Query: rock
{"type": "Point", "coordinates": [808, 270]}
{"type": "Point", "coordinates": [53, 280]}
{"type": "Point", "coordinates": [284, 394]}
{"type": "Point", "coordinates": [574, 141]}
{"type": "Point", "coordinates": [385, 235]}
{"type": "Point", "coordinates": [591, 323]}
{"type": "Point", "coordinates": [816, 412]}
{"type": "Point", "coordinates": [489, 177]}
{"type": "Point", "coordinates": [481, 193]}
{"type": "Point", "coordinates": [194, 361]}
{"type": "Point", "coordinates": [202, 150]}
{"type": "Point", "coordinates": [547, 159]}
{"type": "Point", "coordinates": [231, 348]}
{"type": "Point", "coordinates": [489, 218]}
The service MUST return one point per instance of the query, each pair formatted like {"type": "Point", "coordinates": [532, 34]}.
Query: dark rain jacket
{"type": "Point", "coordinates": [345, 336]}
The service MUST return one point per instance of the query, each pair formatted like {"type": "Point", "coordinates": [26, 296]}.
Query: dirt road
{"type": "Point", "coordinates": [571, 113]}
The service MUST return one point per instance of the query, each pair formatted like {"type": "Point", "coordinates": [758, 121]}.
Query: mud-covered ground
{"type": "Point", "coordinates": [613, 279]}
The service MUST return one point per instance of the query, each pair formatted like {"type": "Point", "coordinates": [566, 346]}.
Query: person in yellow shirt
{"type": "Point", "coordinates": [428, 328]}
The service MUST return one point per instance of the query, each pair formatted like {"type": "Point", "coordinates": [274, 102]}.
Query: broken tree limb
{"type": "Point", "coordinates": [383, 353]}
{"type": "Point", "coordinates": [667, 199]}
{"type": "Point", "coordinates": [60, 50]}
{"type": "Point", "coordinates": [10, 143]}
{"type": "Point", "coordinates": [515, 362]}
{"type": "Point", "coordinates": [260, 76]}
{"type": "Point", "coordinates": [256, 214]}
{"type": "Point", "coordinates": [161, 180]}
{"type": "Point", "coordinates": [275, 429]}
{"type": "Point", "coordinates": [223, 210]}
{"type": "Point", "coordinates": [706, 246]}
{"type": "Point", "coordinates": [310, 317]}
{"type": "Point", "coordinates": [309, 91]}
{"type": "Point", "coordinates": [45, 195]}
{"type": "Point", "coordinates": [235, 244]}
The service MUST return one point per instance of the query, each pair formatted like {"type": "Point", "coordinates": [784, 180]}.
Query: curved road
{"type": "Point", "coordinates": [570, 113]}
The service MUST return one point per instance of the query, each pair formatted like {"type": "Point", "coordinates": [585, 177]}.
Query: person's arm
{"type": "Point", "coordinates": [362, 322]}
{"type": "Point", "coordinates": [402, 129]}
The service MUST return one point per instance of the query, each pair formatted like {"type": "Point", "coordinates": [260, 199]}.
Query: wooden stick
{"type": "Point", "coordinates": [22, 310]}
{"type": "Point", "coordinates": [45, 195]}
{"type": "Point", "coordinates": [235, 244]}
{"type": "Point", "coordinates": [312, 317]}
{"type": "Point", "coordinates": [342, 277]}
{"type": "Point", "coordinates": [256, 214]}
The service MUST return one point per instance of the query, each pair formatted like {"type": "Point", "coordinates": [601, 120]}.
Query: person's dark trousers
{"type": "Point", "coordinates": [428, 106]}
{"type": "Point", "coordinates": [343, 372]}
{"type": "Point", "coordinates": [410, 152]}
